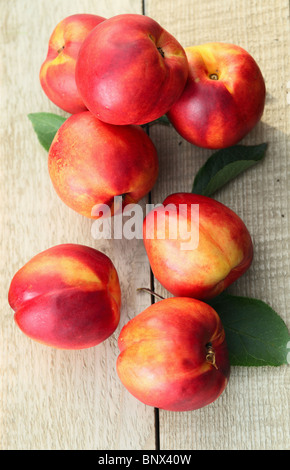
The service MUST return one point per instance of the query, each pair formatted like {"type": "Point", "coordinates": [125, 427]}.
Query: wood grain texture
{"type": "Point", "coordinates": [53, 399]}
{"type": "Point", "coordinates": [253, 413]}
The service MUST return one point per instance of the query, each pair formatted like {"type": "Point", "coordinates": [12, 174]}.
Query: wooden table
{"type": "Point", "coordinates": [53, 399]}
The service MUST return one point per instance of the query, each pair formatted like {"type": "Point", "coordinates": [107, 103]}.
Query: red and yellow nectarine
{"type": "Point", "coordinates": [223, 99]}
{"type": "Point", "coordinates": [223, 251]}
{"type": "Point", "coordinates": [90, 162]}
{"type": "Point", "coordinates": [67, 297]}
{"type": "Point", "coordinates": [130, 70]}
{"type": "Point", "coordinates": [57, 73]}
{"type": "Point", "coordinates": [174, 355]}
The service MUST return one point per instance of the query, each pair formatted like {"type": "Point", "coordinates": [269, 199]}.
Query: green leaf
{"type": "Point", "coordinates": [46, 126]}
{"type": "Point", "coordinates": [255, 334]}
{"type": "Point", "coordinates": [224, 165]}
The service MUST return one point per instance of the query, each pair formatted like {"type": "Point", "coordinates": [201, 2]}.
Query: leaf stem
{"type": "Point", "coordinates": [145, 289]}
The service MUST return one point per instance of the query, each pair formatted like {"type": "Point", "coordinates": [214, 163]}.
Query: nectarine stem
{"type": "Point", "coordinates": [161, 51]}
{"type": "Point", "coordinates": [214, 76]}
{"type": "Point", "coordinates": [151, 292]}
{"type": "Point", "coordinates": [210, 357]}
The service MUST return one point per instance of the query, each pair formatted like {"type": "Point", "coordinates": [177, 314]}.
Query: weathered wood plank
{"type": "Point", "coordinates": [253, 413]}
{"type": "Point", "coordinates": [53, 399]}
{"type": "Point", "coordinates": [63, 400]}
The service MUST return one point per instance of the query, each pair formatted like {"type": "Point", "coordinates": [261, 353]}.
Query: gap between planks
{"type": "Point", "coordinates": [156, 410]}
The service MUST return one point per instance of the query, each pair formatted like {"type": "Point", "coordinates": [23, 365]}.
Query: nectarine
{"type": "Point", "coordinates": [202, 270]}
{"type": "Point", "coordinates": [67, 297]}
{"type": "Point", "coordinates": [57, 73]}
{"type": "Point", "coordinates": [130, 70]}
{"type": "Point", "coordinates": [174, 355]}
{"type": "Point", "coordinates": [90, 162]}
{"type": "Point", "coordinates": [223, 98]}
